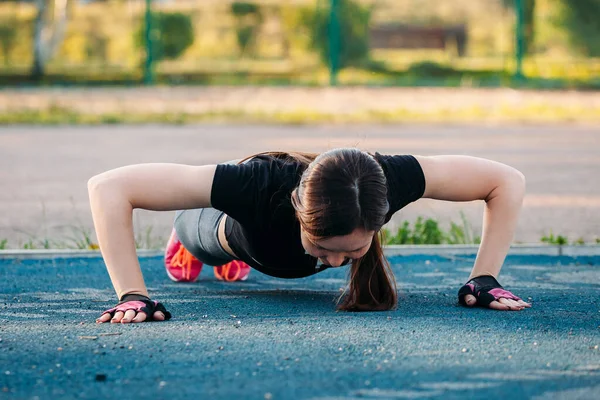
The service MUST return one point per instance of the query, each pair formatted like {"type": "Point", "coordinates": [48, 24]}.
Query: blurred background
{"type": "Point", "coordinates": [554, 43]}
{"type": "Point", "coordinates": [200, 82]}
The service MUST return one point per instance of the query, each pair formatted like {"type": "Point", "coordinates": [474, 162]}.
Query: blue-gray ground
{"type": "Point", "coordinates": [282, 339]}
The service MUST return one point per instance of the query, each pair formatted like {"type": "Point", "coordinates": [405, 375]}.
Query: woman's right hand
{"type": "Point", "coordinates": [129, 317]}
{"type": "Point", "coordinates": [138, 310]}
{"type": "Point", "coordinates": [115, 194]}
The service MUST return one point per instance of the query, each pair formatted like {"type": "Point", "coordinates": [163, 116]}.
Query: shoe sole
{"type": "Point", "coordinates": [223, 280]}
{"type": "Point", "coordinates": [178, 280]}
{"type": "Point", "coordinates": [242, 279]}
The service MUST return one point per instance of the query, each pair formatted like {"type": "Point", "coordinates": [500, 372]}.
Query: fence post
{"type": "Point", "coordinates": [334, 42]}
{"type": "Point", "coordinates": [519, 38]}
{"type": "Point", "coordinates": [148, 72]}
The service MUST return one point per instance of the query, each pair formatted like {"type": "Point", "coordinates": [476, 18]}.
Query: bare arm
{"type": "Point", "coordinates": [116, 193]}
{"type": "Point", "coordinates": [463, 178]}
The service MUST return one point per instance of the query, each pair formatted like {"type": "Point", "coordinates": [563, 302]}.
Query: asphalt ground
{"type": "Point", "coordinates": [44, 170]}
{"type": "Point", "coordinates": [269, 338]}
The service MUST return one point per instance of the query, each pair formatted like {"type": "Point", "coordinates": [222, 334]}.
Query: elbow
{"type": "Point", "coordinates": [99, 184]}
{"type": "Point", "coordinates": [107, 188]}
{"type": "Point", "coordinates": [92, 184]}
{"type": "Point", "coordinates": [522, 181]}
{"type": "Point", "coordinates": [95, 183]}
{"type": "Point", "coordinates": [518, 184]}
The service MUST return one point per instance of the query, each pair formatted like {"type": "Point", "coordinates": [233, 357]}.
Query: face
{"type": "Point", "coordinates": [337, 250]}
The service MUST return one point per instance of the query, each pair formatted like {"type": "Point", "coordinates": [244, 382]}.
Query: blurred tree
{"type": "Point", "coordinates": [248, 22]}
{"type": "Point", "coordinates": [8, 35]}
{"type": "Point", "coordinates": [353, 26]}
{"type": "Point", "coordinates": [49, 29]}
{"type": "Point", "coordinates": [97, 42]}
{"type": "Point", "coordinates": [172, 34]}
{"type": "Point", "coordinates": [582, 20]}
{"type": "Point", "coordinates": [529, 20]}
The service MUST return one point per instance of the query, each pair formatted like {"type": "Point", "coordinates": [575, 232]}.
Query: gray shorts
{"type": "Point", "coordinates": [197, 230]}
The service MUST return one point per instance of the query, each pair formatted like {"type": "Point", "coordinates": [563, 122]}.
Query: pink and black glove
{"type": "Point", "coordinates": [139, 303]}
{"type": "Point", "coordinates": [485, 289]}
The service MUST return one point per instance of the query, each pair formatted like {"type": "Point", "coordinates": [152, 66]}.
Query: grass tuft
{"type": "Point", "coordinates": [428, 231]}
{"type": "Point", "coordinates": [81, 239]}
{"type": "Point", "coordinates": [56, 115]}
{"type": "Point", "coordinates": [558, 240]}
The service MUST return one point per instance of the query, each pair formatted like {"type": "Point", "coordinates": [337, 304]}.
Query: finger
{"type": "Point", "coordinates": [524, 304]}
{"type": "Point", "coordinates": [507, 303]}
{"type": "Point", "coordinates": [103, 318]}
{"type": "Point", "coordinates": [117, 317]}
{"type": "Point", "coordinates": [510, 303]}
{"type": "Point", "coordinates": [470, 300]}
{"type": "Point", "coordinates": [129, 315]}
{"type": "Point", "coordinates": [498, 306]}
{"type": "Point", "coordinates": [159, 316]}
{"type": "Point", "coordinates": [513, 303]}
{"type": "Point", "coordinates": [140, 317]}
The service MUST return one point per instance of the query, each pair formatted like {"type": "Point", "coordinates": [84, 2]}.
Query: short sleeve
{"type": "Point", "coordinates": [405, 178]}
{"type": "Point", "coordinates": [238, 190]}
{"type": "Point", "coordinates": [252, 193]}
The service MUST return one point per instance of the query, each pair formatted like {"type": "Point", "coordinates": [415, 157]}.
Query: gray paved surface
{"type": "Point", "coordinates": [290, 344]}
{"type": "Point", "coordinates": [44, 170]}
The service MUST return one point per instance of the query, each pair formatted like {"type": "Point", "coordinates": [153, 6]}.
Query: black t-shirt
{"type": "Point", "coordinates": [262, 228]}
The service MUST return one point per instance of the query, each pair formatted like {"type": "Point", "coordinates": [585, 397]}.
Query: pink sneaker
{"type": "Point", "coordinates": [180, 264]}
{"type": "Point", "coordinates": [235, 270]}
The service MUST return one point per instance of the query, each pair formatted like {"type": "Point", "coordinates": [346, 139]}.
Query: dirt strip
{"type": "Point", "coordinates": [335, 101]}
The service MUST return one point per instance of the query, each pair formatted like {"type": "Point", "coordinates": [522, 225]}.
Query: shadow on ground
{"type": "Point", "coordinates": [282, 339]}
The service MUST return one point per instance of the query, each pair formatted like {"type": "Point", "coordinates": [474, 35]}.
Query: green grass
{"type": "Point", "coordinates": [561, 240]}
{"type": "Point", "coordinates": [82, 239]}
{"type": "Point", "coordinates": [551, 239]}
{"type": "Point", "coordinates": [532, 113]}
{"type": "Point", "coordinates": [429, 231]}
{"type": "Point", "coordinates": [421, 74]}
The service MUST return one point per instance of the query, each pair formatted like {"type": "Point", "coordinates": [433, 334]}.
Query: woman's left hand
{"type": "Point", "coordinates": [485, 291]}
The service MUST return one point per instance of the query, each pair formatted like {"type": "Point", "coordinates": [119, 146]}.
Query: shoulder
{"type": "Point", "coordinates": [405, 179]}
{"type": "Point", "coordinates": [401, 167]}
{"type": "Point", "coordinates": [261, 170]}
{"type": "Point", "coordinates": [259, 174]}
{"type": "Point", "coordinates": [249, 192]}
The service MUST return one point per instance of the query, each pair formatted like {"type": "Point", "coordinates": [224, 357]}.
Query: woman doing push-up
{"type": "Point", "coordinates": [292, 215]}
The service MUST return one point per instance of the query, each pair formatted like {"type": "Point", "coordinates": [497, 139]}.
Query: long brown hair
{"type": "Point", "coordinates": [339, 191]}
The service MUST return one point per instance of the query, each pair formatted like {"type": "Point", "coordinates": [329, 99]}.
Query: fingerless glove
{"type": "Point", "coordinates": [485, 289]}
{"type": "Point", "coordinates": [137, 303]}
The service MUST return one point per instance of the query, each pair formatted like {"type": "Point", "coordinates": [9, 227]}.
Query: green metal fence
{"type": "Point", "coordinates": [543, 43]}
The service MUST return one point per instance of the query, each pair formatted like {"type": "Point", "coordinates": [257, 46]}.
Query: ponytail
{"type": "Point", "coordinates": [372, 286]}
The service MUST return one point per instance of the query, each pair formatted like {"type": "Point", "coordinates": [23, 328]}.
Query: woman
{"type": "Point", "coordinates": [282, 213]}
